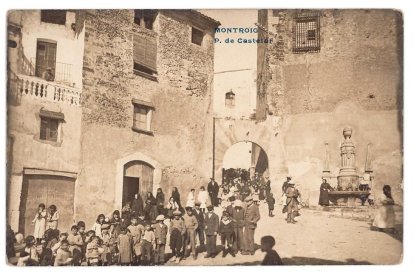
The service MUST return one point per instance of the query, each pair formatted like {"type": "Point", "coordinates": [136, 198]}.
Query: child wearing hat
{"type": "Point", "coordinates": [226, 229]}
{"type": "Point", "coordinates": [177, 231]}
{"type": "Point", "coordinates": [147, 246]}
{"type": "Point", "coordinates": [160, 233]}
{"type": "Point", "coordinates": [124, 242]}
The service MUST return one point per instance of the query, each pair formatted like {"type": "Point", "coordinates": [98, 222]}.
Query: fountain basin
{"type": "Point", "coordinates": [347, 198]}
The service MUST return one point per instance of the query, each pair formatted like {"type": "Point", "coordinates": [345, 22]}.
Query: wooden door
{"type": "Point", "coordinates": [144, 172]}
{"type": "Point", "coordinates": [46, 189]}
{"type": "Point", "coordinates": [45, 57]}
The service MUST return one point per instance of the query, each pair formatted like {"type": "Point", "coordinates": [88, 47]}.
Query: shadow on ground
{"type": "Point", "coordinates": [397, 234]}
{"type": "Point", "coordinates": [311, 261]}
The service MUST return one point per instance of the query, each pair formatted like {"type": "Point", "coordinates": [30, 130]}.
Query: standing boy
{"type": "Point", "coordinates": [251, 217]}
{"type": "Point", "coordinates": [211, 221]}
{"type": "Point", "coordinates": [191, 225]}
{"type": "Point", "coordinates": [160, 233]}
{"type": "Point", "coordinates": [177, 231]}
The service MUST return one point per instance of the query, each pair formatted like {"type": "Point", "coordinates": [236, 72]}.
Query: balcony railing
{"type": "Point", "coordinates": [22, 85]}
{"type": "Point", "coordinates": [62, 72]}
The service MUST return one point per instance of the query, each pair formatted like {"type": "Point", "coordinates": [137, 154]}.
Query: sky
{"type": "Point", "coordinates": [234, 56]}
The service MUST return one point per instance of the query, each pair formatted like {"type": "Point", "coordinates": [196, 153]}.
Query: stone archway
{"type": "Point", "coordinates": [230, 132]}
{"type": "Point", "coordinates": [120, 166]}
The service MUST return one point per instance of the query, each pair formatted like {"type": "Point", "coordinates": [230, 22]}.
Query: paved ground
{"type": "Point", "coordinates": [317, 238]}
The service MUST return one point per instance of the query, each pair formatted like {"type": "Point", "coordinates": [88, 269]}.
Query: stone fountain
{"type": "Point", "coordinates": [348, 190]}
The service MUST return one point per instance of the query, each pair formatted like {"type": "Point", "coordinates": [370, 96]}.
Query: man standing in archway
{"type": "Point", "coordinates": [251, 217]}
{"type": "Point", "coordinates": [213, 189]}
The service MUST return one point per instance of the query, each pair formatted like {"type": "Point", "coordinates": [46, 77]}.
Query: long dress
{"type": "Point", "coordinates": [40, 224]}
{"type": "Point", "coordinates": [125, 248]}
{"type": "Point", "coordinates": [324, 194]}
{"type": "Point", "coordinates": [385, 216]}
{"type": "Point", "coordinates": [202, 198]}
{"type": "Point", "coordinates": [190, 200]}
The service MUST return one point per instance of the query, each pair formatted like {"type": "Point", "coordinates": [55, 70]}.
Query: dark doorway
{"type": "Point", "coordinates": [131, 187]}
{"type": "Point", "coordinates": [46, 189]}
{"type": "Point", "coordinates": [138, 178]}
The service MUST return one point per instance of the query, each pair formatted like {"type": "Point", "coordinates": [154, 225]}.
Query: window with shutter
{"type": "Point", "coordinates": [142, 116]}
{"type": "Point", "coordinates": [45, 59]}
{"type": "Point", "coordinates": [49, 129]}
{"type": "Point", "coordinates": [145, 54]}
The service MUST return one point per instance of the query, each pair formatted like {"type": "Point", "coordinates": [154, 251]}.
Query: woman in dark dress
{"type": "Point", "coordinates": [324, 193]}
{"type": "Point", "coordinates": [176, 195]}
{"type": "Point", "coordinates": [150, 210]}
{"type": "Point", "coordinates": [160, 198]}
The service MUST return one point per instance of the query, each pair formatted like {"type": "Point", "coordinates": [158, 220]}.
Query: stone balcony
{"type": "Point", "coordinates": [30, 86]}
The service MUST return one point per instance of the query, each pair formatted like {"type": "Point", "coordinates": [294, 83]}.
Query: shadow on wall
{"type": "Point", "coordinates": [311, 261]}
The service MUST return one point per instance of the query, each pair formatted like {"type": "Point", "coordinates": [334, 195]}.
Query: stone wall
{"type": "Point", "coordinates": [355, 80]}
{"type": "Point", "coordinates": [181, 96]}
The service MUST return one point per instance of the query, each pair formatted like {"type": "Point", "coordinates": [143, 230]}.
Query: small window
{"type": "Point", "coordinates": [53, 16]}
{"type": "Point", "coordinates": [230, 99]}
{"type": "Point", "coordinates": [306, 33]}
{"type": "Point", "coordinates": [145, 55]}
{"type": "Point", "coordinates": [142, 116]}
{"type": "Point", "coordinates": [50, 125]}
{"type": "Point", "coordinates": [145, 18]}
{"type": "Point", "coordinates": [197, 36]}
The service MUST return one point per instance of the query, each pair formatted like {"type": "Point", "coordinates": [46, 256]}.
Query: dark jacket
{"type": "Point", "coordinates": [226, 228]}
{"type": "Point", "coordinates": [137, 206]}
{"type": "Point", "coordinates": [238, 218]}
{"type": "Point", "coordinates": [160, 233]}
{"type": "Point", "coordinates": [200, 219]}
{"type": "Point", "coordinates": [251, 216]}
{"type": "Point", "coordinates": [211, 224]}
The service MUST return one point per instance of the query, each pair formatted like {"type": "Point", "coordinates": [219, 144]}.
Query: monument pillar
{"type": "Point", "coordinates": [348, 179]}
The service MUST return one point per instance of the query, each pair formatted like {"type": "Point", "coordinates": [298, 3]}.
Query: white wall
{"type": "Point", "coordinates": [70, 46]}
{"type": "Point", "coordinates": [243, 84]}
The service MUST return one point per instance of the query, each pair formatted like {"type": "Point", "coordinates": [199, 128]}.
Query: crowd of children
{"type": "Point", "coordinates": [139, 238]}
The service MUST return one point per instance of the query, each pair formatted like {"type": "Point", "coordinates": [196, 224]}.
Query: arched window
{"type": "Point", "coordinates": [230, 99]}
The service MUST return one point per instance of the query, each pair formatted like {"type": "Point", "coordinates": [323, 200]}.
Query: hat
{"type": "Point", "coordinates": [210, 207]}
{"type": "Point", "coordinates": [189, 208]}
{"type": "Point", "coordinates": [248, 198]}
{"type": "Point", "coordinates": [289, 176]}
{"type": "Point", "coordinates": [237, 203]}
{"type": "Point", "coordinates": [177, 213]}
{"type": "Point", "coordinates": [160, 217]}
{"type": "Point", "coordinates": [197, 203]}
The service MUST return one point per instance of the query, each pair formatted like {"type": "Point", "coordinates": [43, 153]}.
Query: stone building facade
{"type": "Point", "coordinates": [328, 69]}
{"type": "Point", "coordinates": [170, 151]}
{"type": "Point", "coordinates": [44, 116]}
{"type": "Point", "coordinates": [133, 119]}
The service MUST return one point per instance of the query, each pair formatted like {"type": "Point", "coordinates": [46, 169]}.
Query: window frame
{"type": "Point", "coordinates": [143, 105]}
{"type": "Point", "coordinates": [202, 38]}
{"type": "Point", "coordinates": [46, 115]}
{"type": "Point", "coordinates": [47, 19]}
{"type": "Point", "coordinates": [232, 100]}
{"type": "Point", "coordinates": [304, 34]}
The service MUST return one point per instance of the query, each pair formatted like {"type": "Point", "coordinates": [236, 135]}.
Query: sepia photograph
{"type": "Point", "coordinates": [204, 137]}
